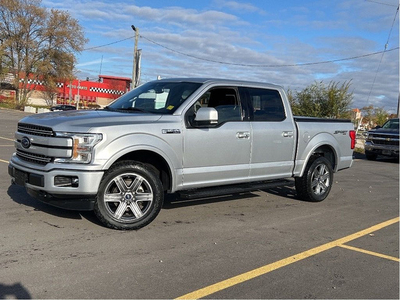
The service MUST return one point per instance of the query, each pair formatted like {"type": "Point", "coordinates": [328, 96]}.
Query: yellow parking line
{"type": "Point", "coordinates": [370, 252]}
{"type": "Point", "coordinates": [7, 139]}
{"type": "Point", "coordinates": [211, 289]}
{"type": "Point", "coordinates": [4, 161]}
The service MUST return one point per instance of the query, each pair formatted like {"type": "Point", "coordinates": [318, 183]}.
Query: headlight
{"type": "Point", "coordinates": [82, 147]}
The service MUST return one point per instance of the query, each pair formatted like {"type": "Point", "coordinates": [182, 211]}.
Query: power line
{"type": "Point", "coordinates": [383, 53]}
{"type": "Point", "coordinates": [388, 4]}
{"type": "Point", "coordinates": [246, 65]}
{"type": "Point", "coordinates": [105, 45]}
{"type": "Point", "coordinates": [267, 66]}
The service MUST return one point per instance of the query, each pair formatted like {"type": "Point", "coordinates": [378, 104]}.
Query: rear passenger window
{"type": "Point", "coordinates": [267, 104]}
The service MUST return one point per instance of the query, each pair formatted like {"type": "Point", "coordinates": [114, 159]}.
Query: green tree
{"type": "Point", "coordinates": [375, 115]}
{"type": "Point", "coordinates": [381, 116]}
{"type": "Point", "coordinates": [38, 44]}
{"type": "Point", "coordinates": [319, 100]}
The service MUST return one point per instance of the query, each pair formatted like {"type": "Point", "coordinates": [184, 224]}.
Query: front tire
{"type": "Point", "coordinates": [130, 196]}
{"type": "Point", "coordinates": [370, 155]}
{"type": "Point", "coordinates": [316, 182]}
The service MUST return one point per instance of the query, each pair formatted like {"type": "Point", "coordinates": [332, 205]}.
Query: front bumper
{"type": "Point", "coordinates": [46, 187]}
{"type": "Point", "coordinates": [386, 150]}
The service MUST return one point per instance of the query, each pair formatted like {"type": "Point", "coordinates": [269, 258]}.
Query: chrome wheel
{"type": "Point", "coordinates": [130, 196]}
{"type": "Point", "coordinates": [320, 179]}
{"type": "Point", "coordinates": [316, 182]}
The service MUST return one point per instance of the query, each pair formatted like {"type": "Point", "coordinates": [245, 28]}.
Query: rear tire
{"type": "Point", "coordinates": [316, 182]}
{"type": "Point", "coordinates": [130, 196]}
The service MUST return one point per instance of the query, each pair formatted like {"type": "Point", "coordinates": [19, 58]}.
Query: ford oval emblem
{"type": "Point", "coordinates": [25, 142]}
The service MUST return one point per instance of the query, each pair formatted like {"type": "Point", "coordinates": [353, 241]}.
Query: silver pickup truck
{"type": "Point", "coordinates": [192, 136]}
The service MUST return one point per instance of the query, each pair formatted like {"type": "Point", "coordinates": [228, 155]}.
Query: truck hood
{"type": "Point", "coordinates": [385, 131]}
{"type": "Point", "coordinates": [83, 120]}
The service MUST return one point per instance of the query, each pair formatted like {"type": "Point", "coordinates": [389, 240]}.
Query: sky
{"type": "Point", "coordinates": [290, 43]}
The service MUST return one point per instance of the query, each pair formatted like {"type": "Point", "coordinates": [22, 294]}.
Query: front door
{"type": "Point", "coordinates": [218, 154]}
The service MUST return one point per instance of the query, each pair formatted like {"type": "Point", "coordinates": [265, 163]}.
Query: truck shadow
{"type": "Point", "coordinates": [14, 291]}
{"type": "Point", "coordinates": [19, 195]}
{"type": "Point", "coordinates": [172, 201]}
{"type": "Point", "coordinates": [175, 201]}
{"type": "Point", "coordinates": [362, 156]}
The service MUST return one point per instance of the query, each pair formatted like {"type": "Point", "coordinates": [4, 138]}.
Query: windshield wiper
{"type": "Point", "coordinates": [132, 109]}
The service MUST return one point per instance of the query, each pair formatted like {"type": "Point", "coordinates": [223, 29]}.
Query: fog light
{"type": "Point", "coordinates": [66, 181]}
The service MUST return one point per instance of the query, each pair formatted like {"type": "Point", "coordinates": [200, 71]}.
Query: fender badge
{"type": "Point", "coordinates": [171, 131]}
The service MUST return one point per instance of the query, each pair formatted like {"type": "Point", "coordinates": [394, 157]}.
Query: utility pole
{"type": "Point", "coordinates": [134, 69]}
{"type": "Point", "coordinates": [1, 56]}
{"type": "Point", "coordinates": [78, 96]}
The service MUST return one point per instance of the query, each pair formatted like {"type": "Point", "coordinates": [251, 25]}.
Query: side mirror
{"type": "Point", "coordinates": [206, 117]}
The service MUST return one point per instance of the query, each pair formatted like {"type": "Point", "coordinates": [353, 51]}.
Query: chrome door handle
{"type": "Point", "coordinates": [287, 134]}
{"type": "Point", "coordinates": [243, 135]}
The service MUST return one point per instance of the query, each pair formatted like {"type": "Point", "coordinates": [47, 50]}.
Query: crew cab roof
{"type": "Point", "coordinates": [220, 81]}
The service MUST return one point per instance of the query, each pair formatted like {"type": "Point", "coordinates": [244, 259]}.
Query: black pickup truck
{"type": "Point", "coordinates": [383, 140]}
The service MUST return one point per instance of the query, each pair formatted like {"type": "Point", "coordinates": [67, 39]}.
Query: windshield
{"type": "Point", "coordinates": [391, 124]}
{"type": "Point", "coordinates": [159, 97]}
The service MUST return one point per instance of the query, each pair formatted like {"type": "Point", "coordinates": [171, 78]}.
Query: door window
{"type": "Point", "coordinates": [266, 104]}
{"type": "Point", "coordinates": [224, 100]}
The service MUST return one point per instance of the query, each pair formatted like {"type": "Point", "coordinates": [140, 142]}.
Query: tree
{"type": "Point", "coordinates": [318, 100]}
{"type": "Point", "coordinates": [375, 115]}
{"type": "Point", "coordinates": [38, 44]}
{"type": "Point", "coordinates": [381, 116]}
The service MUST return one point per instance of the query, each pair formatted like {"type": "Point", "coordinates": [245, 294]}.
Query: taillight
{"type": "Point", "coordinates": [352, 134]}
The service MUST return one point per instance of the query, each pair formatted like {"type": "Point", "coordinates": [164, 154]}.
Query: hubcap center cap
{"type": "Point", "coordinates": [128, 197]}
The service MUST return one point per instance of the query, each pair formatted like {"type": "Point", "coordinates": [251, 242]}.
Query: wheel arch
{"type": "Point", "coordinates": [149, 156]}
{"type": "Point", "coordinates": [321, 145]}
{"type": "Point", "coordinates": [162, 155]}
{"type": "Point", "coordinates": [155, 161]}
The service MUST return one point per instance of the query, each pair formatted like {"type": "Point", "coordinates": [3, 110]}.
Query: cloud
{"type": "Point", "coordinates": [210, 41]}
{"type": "Point", "coordinates": [239, 7]}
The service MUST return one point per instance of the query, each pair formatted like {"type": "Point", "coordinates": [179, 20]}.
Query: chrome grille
{"type": "Point", "coordinates": [34, 158]}
{"type": "Point", "coordinates": [35, 130]}
{"type": "Point", "coordinates": [384, 139]}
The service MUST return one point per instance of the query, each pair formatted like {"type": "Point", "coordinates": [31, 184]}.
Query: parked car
{"type": "Point", "coordinates": [383, 140]}
{"type": "Point", "coordinates": [190, 136]}
{"type": "Point", "coordinates": [63, 107]}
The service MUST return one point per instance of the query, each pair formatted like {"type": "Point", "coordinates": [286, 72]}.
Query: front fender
{"type": "Point", "coordinates": [169, 150]}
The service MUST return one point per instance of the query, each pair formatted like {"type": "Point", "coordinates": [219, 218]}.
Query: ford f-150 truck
{"type": "Point", "coordinates": [176, 135]}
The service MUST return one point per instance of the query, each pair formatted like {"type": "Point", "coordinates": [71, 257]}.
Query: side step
{"type": "Point", "coordinates": [233, 189]}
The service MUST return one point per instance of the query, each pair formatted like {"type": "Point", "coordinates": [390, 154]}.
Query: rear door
{"type": "Point", "coordinates": [273, 134]}
{"type": "Point", "coordinates": [218, 154]}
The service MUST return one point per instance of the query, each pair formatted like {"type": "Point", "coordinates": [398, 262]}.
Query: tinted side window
{"type": "Point", "coordinates": [224, 100]}
{"type": "Point", "coordinates": [267, 104]}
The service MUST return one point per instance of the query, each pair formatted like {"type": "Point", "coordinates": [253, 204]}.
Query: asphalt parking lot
{"type": "Point", "coordinates": [264, 244]}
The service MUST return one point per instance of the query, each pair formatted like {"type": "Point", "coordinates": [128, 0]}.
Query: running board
{"type": "Point", "coordinates": [233, 189]}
